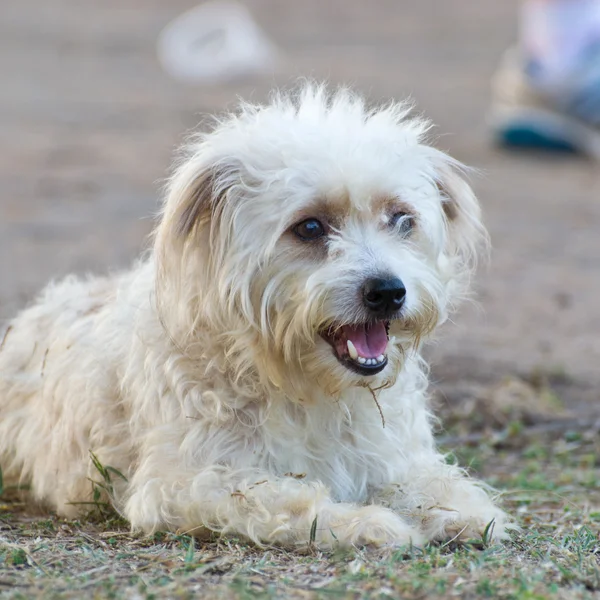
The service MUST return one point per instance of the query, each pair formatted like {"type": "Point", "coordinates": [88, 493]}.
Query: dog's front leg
{"type": "Point", "coordinates": [445, 503]}
{"type": "Point", "coordinates": [261, 507]}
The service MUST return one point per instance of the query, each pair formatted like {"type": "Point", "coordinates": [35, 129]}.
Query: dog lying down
{"type": "Point", "coordinates": [259, 373]}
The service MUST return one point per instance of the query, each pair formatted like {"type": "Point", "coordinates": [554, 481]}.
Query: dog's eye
{"type": "Point", "coordinates": [402, 222]}
{"type": "Point", "coordinates": [310, 229]}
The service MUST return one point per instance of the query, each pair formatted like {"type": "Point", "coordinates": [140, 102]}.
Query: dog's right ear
{"type": "Point", "coordinates": [187, 235]}
{"type": "Point", "coordinates": [196, 204]}
{"type": "Point", "coordinates": [196, 196]}
{"type": "Point", "coordinates": [196, 192]}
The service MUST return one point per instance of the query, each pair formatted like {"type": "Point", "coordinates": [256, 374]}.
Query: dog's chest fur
{"type": "Point", "coordinates": [343, 443]}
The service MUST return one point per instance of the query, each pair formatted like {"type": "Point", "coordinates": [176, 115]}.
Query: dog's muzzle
{"type": "Point", "coordinates": [362, 347]}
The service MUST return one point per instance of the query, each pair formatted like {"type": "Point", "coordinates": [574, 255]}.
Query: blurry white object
{"type": "Point", "coordinates": [214, 42]}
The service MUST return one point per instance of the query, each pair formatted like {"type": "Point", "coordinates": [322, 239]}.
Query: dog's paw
{"type": "Point", "coordinates": [446, 524]}
{"type": "Point", "coordinates": [368, 526]}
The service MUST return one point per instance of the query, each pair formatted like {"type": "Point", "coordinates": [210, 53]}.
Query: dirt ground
{"type": "Point", "coordinates": [88, 124]}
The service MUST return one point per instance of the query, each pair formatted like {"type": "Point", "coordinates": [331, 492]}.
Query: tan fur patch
{"type": "Point", "coordinates": [448, 202]}
{"type": "Point", "coordinates": [197, 204]}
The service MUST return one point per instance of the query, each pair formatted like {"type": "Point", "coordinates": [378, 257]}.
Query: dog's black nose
{"type": "Point", "coordinates": [383, 296]}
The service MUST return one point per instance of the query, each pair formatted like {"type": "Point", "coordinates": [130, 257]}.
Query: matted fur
{"type": "Point", "coordinates": [200, 374]}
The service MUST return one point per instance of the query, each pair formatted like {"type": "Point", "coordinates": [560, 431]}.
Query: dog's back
{"type": "Point", "coordinates": [50, 412]}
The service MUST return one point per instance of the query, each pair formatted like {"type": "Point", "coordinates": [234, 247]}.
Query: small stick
{"type": "Point", "coordinates": [44, 361]}
{"type": "Point", "coordinates": [455, 537]}
{"type": "Point", "coordinates": [378, 405]}
{"type": "Point", "coordinates": [5, 336]}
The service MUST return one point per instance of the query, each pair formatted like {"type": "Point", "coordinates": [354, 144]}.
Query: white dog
{"type": "Point", "coordinates": [259, 372]}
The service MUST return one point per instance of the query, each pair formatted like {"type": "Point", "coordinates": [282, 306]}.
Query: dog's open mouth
{"type": "Point", "coordinates": [361, 347]}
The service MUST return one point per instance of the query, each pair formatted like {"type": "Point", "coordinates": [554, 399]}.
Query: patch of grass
{"type": "Point", "coordinates": [14, 557]}
{"type": "Point", "coordinates": [101, 506]}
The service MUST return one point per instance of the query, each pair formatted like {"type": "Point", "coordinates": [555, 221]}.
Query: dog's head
{"type": "Point", "coordinates": [319, 240]}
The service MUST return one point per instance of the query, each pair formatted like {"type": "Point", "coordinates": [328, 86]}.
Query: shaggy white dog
{"type": "Point", "coordinates": [259, 372]}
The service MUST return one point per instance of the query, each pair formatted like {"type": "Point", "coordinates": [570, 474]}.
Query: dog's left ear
{"type": "Point", "coordinates": [462, 213]}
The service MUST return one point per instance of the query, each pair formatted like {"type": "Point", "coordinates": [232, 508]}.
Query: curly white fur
{"type": "Point", "coordinates": [200, 374]}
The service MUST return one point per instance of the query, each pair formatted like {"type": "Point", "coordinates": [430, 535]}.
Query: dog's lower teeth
{"type": "Point", "coordinates": [367, 362]}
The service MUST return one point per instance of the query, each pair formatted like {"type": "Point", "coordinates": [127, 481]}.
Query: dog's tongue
{"type": "Point", "coordinates": [370, 341]}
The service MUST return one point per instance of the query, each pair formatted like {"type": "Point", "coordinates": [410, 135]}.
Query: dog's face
{"type": "Point", "coordinates": [323, 239]}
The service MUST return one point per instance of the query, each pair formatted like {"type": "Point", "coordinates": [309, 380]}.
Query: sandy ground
{"type": "Point", "coordinates": [88, 123]}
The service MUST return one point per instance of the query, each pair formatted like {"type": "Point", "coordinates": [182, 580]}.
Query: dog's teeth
{"type": "Point", "coordinates": [380, 358]}
{"type": "Point", "coordinates": [352, 350]}
{"type": "Point", "coordinates": [372, 361]}
{"type": "Point", "coordinates": [361, 360]}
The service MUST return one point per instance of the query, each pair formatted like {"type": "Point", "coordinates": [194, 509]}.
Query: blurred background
{"type": "Point", "coordinates": [96, 94]}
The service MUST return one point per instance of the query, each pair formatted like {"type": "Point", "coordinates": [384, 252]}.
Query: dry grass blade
{"type": "Point", "coordinates": [8, 330]}
{"type": "Point", "coordinates": [377, 404]}
{"type": "Point", "coordinates": [313, 531]}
